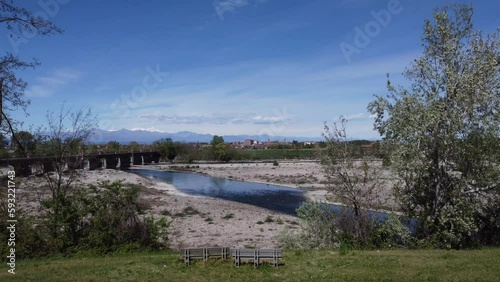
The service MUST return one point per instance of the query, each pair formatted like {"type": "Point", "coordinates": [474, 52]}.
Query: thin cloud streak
{"type": "Point", "coordinates": [47, 86]}
{"type": "Point", "coordinates": [218, 119]}
{"type": "Point", "coordinates": [223, 6]}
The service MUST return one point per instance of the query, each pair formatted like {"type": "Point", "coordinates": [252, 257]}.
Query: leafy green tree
{"type": "Point", "coordinates": [134, 146]}
{"type": "Point", "coordinates": [441, 130]}
{"type": "Point", "coordinates": [113, 146]}
{"type": "Point", "coordinates": [93, 148]}
{"type": "Point", "coordinates": [28, 142]}
{"type": "Point", "coordinates": [219, 149]}
{"type": "Point", "coordinates": [167, 149]}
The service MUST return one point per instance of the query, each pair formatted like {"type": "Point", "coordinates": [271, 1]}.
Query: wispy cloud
{"type": "Point", "coordinates": [218, 118]}
{"type": "Point", "coordinates": [46, 86]}
{"type": "Point", "coordinates": [224, 6]}
{"type": "Point", "coordinates": [355, 116]}
{"type": "Point", "coordinates": [290, 98]}
{"type": "Point", "coordinates": [360, 116]}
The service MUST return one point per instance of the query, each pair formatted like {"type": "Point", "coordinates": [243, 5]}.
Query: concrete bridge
{"type": "Point", "coordinates": [34, 166]}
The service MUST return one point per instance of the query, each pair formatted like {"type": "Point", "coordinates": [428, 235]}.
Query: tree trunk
{"type": "Point", "coordinates": [1, 102]}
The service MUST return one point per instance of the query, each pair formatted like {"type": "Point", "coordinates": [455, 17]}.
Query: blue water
{"type": "Point", "coordinates": [277, 198]}
{"type": "Point", "coordinates": [273, 197]}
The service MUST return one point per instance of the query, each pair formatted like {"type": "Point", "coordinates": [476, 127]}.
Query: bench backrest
{"type": "Point", "coordinates": [262, 253]}
{"type": "Point", "coordinates": [199, 252]}
{"type": "Point", "coordinates": [192, 252]}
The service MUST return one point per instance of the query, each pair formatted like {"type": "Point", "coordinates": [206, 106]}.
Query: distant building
{"type": "Point", "coordinates": [367, 146]}
{"type": "Point", "coordinates": [250, 142]}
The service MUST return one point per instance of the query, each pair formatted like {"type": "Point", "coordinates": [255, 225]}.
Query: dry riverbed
{"type": "Point", "coordinates": [196, 221]}
{"type": "Point", "coordinates": [307, 175]}
{"type": "Point", "coordinates": [205, 221]}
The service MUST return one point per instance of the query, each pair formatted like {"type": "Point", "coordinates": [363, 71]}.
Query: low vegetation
{"type": "Point", "coordinates": [321, 265]}
{"type": "Point", "coordinates": [99, 219]}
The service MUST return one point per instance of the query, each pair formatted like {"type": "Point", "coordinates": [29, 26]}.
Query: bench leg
{"type": "Point", "coordinates": [275, 258]}
{"type": "Point", "coordinates": [186, 257]}
{"type": "Point", "coordinates": [239, 259]}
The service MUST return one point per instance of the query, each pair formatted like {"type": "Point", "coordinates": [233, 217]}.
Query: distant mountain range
{"type": "Point", "coordinates": [144, 136]}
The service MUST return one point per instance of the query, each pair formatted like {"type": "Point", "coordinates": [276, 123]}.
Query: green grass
{"type": "Point", "coordinates": [387, 265]}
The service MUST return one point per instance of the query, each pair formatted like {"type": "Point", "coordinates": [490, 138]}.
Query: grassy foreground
{"type": "Point", "coordinates": [390, 265]}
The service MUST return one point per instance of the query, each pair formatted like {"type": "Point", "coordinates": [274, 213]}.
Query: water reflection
{"type": "Point", "coordinates": [273, 197]}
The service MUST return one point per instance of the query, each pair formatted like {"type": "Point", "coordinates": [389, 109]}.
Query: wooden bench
{"type": "Point", "coordinates": [256, 255]}
{"type": "Point", "coordinates": [188, 254]}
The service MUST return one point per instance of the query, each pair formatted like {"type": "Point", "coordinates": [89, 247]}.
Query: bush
{"type": "Point", "coordinates": [275, 163]}
{"type": "Point", "coordinates": [114, 221]}
{"type": "Point", "coordinates": [456, 226]}
{"type": "Point", "coordinates": [98, 220]}
{"type": "Point", "coordinates": [322, 228]}
{"type": "Point", "coordinates": [31, 237]}
{"type": "Point", "coordinates": [356, 230]}
{"type": "Point", "coordinates": [318, 228]}
{"type": "Point", "coordinates": [392, 233]}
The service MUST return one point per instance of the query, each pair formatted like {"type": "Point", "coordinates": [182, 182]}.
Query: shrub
{"type": "Point", "coordinates": [392, 233]}
{"type": "Point", "coordinates": [98, 220]}
{"type": "Point", "coordinates": [275, 163]}
{"type": "Point", "coordinates": [113, 220]}
{"type": "Point", "coordinates": [32, 239]}
{"type": "Point", "coordinates": [359, 230]}
{"type": "Point", "coordinates": [319, 228]}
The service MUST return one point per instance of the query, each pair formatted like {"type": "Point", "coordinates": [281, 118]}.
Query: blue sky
{"type": "Point", "coordinates": [277, 67]}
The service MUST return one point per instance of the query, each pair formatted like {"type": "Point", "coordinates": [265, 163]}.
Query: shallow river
{"type": "Point", "coordinates": [277, 198]}
{"type": "Point", "coordinates": [273, 197]}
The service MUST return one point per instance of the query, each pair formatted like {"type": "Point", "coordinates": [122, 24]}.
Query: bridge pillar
{"type": "Point", "coordinates": [155, 157]}
{"type": "Point", "coordinates": [48, 165]}
{"type": "Point", "coordinates": [36, 167]}
{"type": "Point", "coordinates": [94, 163]}
{"type": "Point", "coordinates": [22, 167]}
{"type": "Point", "coordinates": [73, 162]}
{"type": "Point", "coordinates": [112, 162]}
{"type": "Point", "coordinates": [147, 158]}
{"type": "Point", "coordinates": [125, 161]}
{"type": "Point", "coordinates": [137, 159]}
{"type": "Point", "coordinates": [86, 164]}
